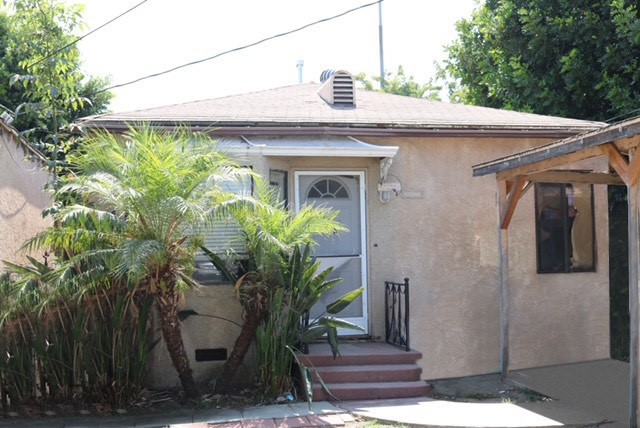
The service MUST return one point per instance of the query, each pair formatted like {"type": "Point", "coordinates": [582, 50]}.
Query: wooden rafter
{"type": "Point", "coordinates": [513, 197]}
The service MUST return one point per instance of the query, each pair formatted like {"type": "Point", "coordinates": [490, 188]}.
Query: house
{"type": "Point", "coordinates": [399, 171]}
{"type": "Point", "coordinates": [22, 196]}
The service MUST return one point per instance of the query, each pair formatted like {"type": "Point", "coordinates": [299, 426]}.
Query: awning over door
{"type": "Point", "coordinates": [307, 146]}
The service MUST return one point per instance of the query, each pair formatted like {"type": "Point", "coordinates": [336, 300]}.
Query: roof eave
{"type": "Point", "coordinates": [368, 129]}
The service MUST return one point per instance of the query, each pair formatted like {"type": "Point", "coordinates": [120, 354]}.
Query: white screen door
{"type": "Point", "coordinates": [343, 192]}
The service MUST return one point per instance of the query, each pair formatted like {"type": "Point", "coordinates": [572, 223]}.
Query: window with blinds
{"type": "Point", "coordinates": [223, 237]}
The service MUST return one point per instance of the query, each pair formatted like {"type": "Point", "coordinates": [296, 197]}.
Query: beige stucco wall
{"type": "Point", "coordinates": [442, 234]}
{"type": "Point", "coordinates": [216, 326]}
{"type": "Point", "coordinates": [22, 198]}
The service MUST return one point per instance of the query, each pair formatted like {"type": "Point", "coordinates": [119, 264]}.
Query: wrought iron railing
{"type": "Point", "coordinates": [396, 313]}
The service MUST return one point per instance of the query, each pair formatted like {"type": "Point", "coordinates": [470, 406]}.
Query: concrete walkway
{"type": "Point", "coordinates": [418, 412]}
{"type": "Point", "coordinates": [438, 413]}
{"type": "Point", "coordinates": [282, 415]}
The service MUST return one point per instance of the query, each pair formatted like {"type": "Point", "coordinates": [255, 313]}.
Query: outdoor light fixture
{"type": "Point", "coordinates": [389, 186]}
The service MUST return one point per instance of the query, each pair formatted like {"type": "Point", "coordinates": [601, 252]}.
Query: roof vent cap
{"type": "Point", "coordinates": [326, 75]}
{"type": "Point", "coordinates": [338, 88]}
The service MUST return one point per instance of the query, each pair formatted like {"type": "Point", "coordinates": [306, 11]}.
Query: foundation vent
{"type": "Point", "coordinates": [338, 88]}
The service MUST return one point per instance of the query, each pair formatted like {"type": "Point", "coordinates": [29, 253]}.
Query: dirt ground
{"type": "Point", "coordinates": [483, 388]}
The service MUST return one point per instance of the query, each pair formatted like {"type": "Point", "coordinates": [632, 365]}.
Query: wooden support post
{"type": "Point", "coordinates": [503, 254]}
{"type": "Point", "coordinates": [633, 197]}
{"type": "Point", "coordinates": [634, 171]}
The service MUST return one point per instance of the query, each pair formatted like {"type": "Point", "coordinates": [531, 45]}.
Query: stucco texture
{"type": "Point", "coordinates": [442, 234]}
{"type": "Point", "coordinates": [216, 326]}
{"type": "Point", "coordinates": [22, 198]}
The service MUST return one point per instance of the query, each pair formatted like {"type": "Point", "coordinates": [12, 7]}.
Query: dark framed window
{"type": "Point", "coordinates": [278, 180]}
{"type": "Point", "coordinates": [565, 232]}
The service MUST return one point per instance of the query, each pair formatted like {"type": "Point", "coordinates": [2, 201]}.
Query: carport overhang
{"type": "Point", "coordinates": [515, 174]}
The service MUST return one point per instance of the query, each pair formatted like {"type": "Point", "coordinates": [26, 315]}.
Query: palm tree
{"type": "Point", "coordinates": [138, 199]}
{"type": "Point", "coordinates": [271, 232]}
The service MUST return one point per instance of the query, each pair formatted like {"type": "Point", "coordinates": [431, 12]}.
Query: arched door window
{"type": "Point", "coordinates": [328, 188]}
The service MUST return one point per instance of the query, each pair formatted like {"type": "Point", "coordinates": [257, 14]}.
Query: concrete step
{"type": "Point", "coordinates": [358, 354]}
{"type": "Point", "coordinates": [371, 390]}
{"type": "Point", "coordinates": [369, 373]}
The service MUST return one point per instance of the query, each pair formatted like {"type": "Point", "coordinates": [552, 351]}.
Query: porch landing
{"type": "Point", "coordinates": [365, 371]}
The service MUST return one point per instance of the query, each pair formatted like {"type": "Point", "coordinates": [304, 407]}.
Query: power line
{"type": "Point", "coordinates": [57, 51]}
{"type": "Point", "coordinates": [623, 116]}
{"type": "Point", "coordinates": [320, 21]}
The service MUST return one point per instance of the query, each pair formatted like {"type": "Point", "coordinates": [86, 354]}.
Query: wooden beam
{"type": "Point", "coordinates": [510, 184]}
{"type": "Point", "coordinates": [510, 206]}
{"type": "Point", "coordinates": [503, 254]}
{"type": "Point", "coordinates": [616, 160]}
{"type": "Point", "coordinates": [569, 176]}
{"type": "Point", "coordinates": [554, 162]}
{"type": "Point", "coordinates": [627, 143]}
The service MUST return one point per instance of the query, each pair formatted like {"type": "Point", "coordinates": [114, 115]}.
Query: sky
{"type": "Point", "coordinates": [161, 34]}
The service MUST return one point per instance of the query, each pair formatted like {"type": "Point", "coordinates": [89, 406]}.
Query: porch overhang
{"type": "Point", "coordinates": [611, 141]}
{"type": "Point", "coordinates": [308, 146]}
{"type": "Point", "coordinates": [619, 145]}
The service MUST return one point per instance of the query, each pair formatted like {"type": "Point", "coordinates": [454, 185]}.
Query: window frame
{"type": "Point", "coordinates": [226, 227]}
{"type": "Point", "coordinates": [566, 238]}
{"type": "Point", "coordinates": [279, 179]}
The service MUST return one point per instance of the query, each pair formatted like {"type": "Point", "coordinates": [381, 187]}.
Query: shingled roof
{"type": "Point", "coordinates": [301, 107]}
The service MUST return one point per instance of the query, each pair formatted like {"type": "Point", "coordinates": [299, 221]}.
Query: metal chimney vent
{"type": "Point", "coordinates": [338, 88]}
{"type": "Point", "coordinates": [326, 75]}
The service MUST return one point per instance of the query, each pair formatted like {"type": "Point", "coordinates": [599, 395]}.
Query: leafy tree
{"type": "Point", "coordinates": [41, 80]}
{"type": "Point", "coordinates": [569, 58]}
{"type": "Point", "coordinates": [400, 84]}
{"type": "Point", "coordinates": [139, 201]}
{"type": "Point", "coordinates": [10, 95]}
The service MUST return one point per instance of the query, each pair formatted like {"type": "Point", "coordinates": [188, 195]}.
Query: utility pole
{"type": "Point", "coordinates": [382, 83]}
